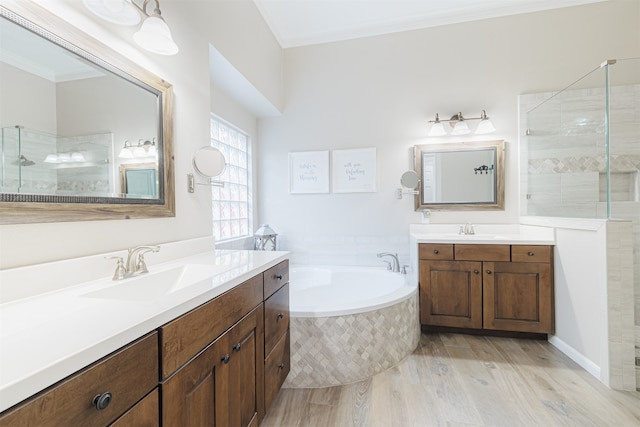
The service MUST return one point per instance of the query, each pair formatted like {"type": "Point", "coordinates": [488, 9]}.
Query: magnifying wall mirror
{"type": "Point", "coordinates": [210, 163]}
{"type": "Point", "coordinates": [410, 180]}
{"type": "Point", "coordinates": [460, 176]}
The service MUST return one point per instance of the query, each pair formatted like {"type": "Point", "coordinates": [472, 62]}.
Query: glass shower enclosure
{"type": "Point", "coordinates": [580, 154]}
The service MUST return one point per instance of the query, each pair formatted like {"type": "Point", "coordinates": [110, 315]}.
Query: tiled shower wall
{"type": "Point", "coordinates": [563, 172]}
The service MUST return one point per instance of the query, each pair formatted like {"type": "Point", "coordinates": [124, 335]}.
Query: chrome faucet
{"type": "Point", "coordinates": [394, 265]}
{"type": "Point", "coordinates": [466, 229]}
{"type": "Point", "coordinates": [135, 262]}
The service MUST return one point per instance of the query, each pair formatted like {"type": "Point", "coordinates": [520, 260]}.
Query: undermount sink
{"type": "Point", "coordinates": [154, 285]}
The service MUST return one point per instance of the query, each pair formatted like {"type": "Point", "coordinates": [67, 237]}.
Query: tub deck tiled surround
{"type": "Point", "coordinates": [337, 350]}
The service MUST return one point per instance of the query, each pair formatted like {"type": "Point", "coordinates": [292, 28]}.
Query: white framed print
{"type": "Point", "coordinates": [309, 172]}
{"type": "Point", "coordinates": [354, 171]}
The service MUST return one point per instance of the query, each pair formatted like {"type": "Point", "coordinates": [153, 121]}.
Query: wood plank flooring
{"type": "Point", "coordinates": [465, 380]}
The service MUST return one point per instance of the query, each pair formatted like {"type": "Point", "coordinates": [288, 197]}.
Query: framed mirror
{"type": "Point", "coordinates": [460, 176]}
{"type": "Point", "coordinates": [81, 115]}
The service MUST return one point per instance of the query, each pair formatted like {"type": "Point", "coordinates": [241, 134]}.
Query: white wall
{"type": "Point", "coordinates": [381, 91]}
{"type": "Point", "coordinates": [31, 102]}
{"type": "Point", "coordinates": [188, 72]}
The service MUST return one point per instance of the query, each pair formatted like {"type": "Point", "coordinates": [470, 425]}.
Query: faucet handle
{"type": "Point", "coordinates": [120, 272]}
{"type": "Point", "coordinates": [141, 266]}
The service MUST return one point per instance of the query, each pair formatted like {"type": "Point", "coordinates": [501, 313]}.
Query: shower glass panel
{"type": "Point", "coordinates": [565, 152]}
{"type": "Point", "coordinates": [35, 162]}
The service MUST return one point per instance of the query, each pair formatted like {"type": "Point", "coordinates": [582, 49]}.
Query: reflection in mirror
{"type": "Point", "coordinates": [466, 176]}
{"type": "Point", "coordinates": [70, 105]}
{"type": "Point", "coordinates": [139, 180]}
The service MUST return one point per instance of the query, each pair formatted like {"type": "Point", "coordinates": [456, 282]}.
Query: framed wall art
{"type": "Point", "coordinates": [309, 172]}
{"type": "Point", "coordinates": [354, 171]}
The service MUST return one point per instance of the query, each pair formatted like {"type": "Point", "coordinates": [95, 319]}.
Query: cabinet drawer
{"type": "Point", "coordinates": [185, 336]}
{"type": "Point", "coordinates": [483, 252]}
{"type": "Point", "coordinates": [275, 277]}
{"type": "Point", "coordinates": [128, 375]}
{"type": "Point", "coordinates": [276, 369]}
{"type": "Point", "coordinates": [435, 251]}
{"type": "Point", "coordinates": [146, 413]}
{"type": "Point", "coordinates": [531, 253]}
{"type": "Point", "coordinates": [276, 317]}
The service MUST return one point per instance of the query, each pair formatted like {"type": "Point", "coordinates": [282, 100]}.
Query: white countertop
{"type": "Point", "coordinates": [45, 338]}
{"type": "Point", "coordinates": [485, 234]}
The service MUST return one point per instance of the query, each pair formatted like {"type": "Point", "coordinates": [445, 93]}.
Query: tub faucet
{"type": "Point", "coordinates": [395, 264]}
{"type": "Point", "coordinates": [466, 229]}
{"type": "Point", "coordinates": [135, 260]}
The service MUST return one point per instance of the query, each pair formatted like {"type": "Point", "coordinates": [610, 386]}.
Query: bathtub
{"type": "Point", "coordinates": [349, 323]}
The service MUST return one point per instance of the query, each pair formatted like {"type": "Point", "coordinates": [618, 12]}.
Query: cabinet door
{"type": "Point", "coordinates": [518, 297]}
{"type": "Point", "coordinates": [196, 394]}
{"type": "Point", "coordinates": [222, 385]}
{"type": "Point", "coordinates": [451, 293]}
{"type": "Point", "coordinates": [246, 371]}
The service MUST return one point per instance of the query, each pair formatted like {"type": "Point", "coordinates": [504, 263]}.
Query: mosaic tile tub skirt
{"type": "Point", "coordinates": [330, 351]}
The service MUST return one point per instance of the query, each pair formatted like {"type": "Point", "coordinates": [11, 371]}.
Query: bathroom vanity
{"type": "Point", "coordinates": [487, 281]}
{"type": "Point", "coordinates": [213, 357]}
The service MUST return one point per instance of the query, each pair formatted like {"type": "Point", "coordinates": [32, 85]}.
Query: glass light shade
{"type": "Point", "coordinates": [77, 157]}
{"type": "Point", "coordinates": [485, 126]}
{"type": "Point", "coordinates": [51, 158]}
{"type": "Point", "coordinates": [154, 35]}
{"type": "Point", "coordinates": [126, 153]}
{"type": "Point", "coordinates": [64, 158]}
{"type": "Point", "coordinates": [139, 152]}
{"type": "Point", "coordinates": [437, 129]}
{"type": "Point", "coordinates": [152, 151]}
{"type": "Point", "coordinates": [461, 128]}
{"type": "Point", "coordinates": [117, 11]}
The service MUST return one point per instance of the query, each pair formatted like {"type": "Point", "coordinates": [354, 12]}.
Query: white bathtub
{"type": "Point", "coordinates": [337, 291]}
{"type": "Point", "coordinates": [349, 323]}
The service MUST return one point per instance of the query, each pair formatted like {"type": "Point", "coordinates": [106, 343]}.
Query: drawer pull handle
{"type": "Point", "coordinates": [281, 366]}
{"type": "Point", "coordinates": [101, 401]}
{"type": "Point", "coordinates": [436, 251]}
{"type": "Point", "coordinates": [225, 358]}
{"type": "Point", "coordinates": [476, 271]}
{"type": "Point", "coordinates": [280, 316]}
{"type": "Point", "coordinates": [531, 254]}
{"type": "Point", "coordinates": [237, 347]}
{"type": "Point", "coordinates": [279, 277]}
{"type": "Point", "coordinates": [488, 271]}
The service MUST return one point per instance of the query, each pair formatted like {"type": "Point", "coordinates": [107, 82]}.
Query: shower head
{"type": "Point", "coordinates": [23, 161]}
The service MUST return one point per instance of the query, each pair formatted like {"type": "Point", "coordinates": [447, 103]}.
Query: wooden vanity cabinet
{"type": "Point", "coordinates": [127, 375]}
{"type": "Point", "coordinates": [276, 330]}
{"type": "Point", "coordinates": [219, 383]}
{"type": "Point", "coordinates": [492, 287]}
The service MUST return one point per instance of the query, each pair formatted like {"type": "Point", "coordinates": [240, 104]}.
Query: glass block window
{"type": "Point", "coordinates": [232, 204]}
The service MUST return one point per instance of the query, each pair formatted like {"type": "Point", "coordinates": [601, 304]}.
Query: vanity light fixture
{"type": "Point", "coordinates": [154, 34]}
{"type": "Point", "coordinates": [69, 157]}
{"type": "Point", "coordinates": [142, 149]}
{"type": "Point", "coordinates": [459, 124]}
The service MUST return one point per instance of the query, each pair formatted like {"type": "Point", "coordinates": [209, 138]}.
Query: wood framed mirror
{"type": "Point", "coordinates": [74, 154]}
{"type": "Point", "coordinates": [460, 176]}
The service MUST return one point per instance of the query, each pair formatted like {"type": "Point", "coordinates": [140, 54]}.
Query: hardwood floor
{"type": "Point", "coordinates": [465, 380]}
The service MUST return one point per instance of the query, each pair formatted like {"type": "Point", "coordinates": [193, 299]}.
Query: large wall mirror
{"type": "Point", "coordinates": [75, 115]}
{"type": "Point", "coordinates": [464, 176]}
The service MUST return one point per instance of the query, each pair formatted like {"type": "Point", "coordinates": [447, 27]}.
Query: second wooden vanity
{"type": "Point", "coordinates": [503, 287]}
{"type": "Point", "coordinates": [219, 364]}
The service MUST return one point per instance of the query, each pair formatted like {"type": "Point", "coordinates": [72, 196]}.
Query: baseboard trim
{"type": "Point", "coordinates": [576, 356]}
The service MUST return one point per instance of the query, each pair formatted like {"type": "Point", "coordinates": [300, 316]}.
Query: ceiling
{"type": "Point", "coordinates": [307, 22]}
